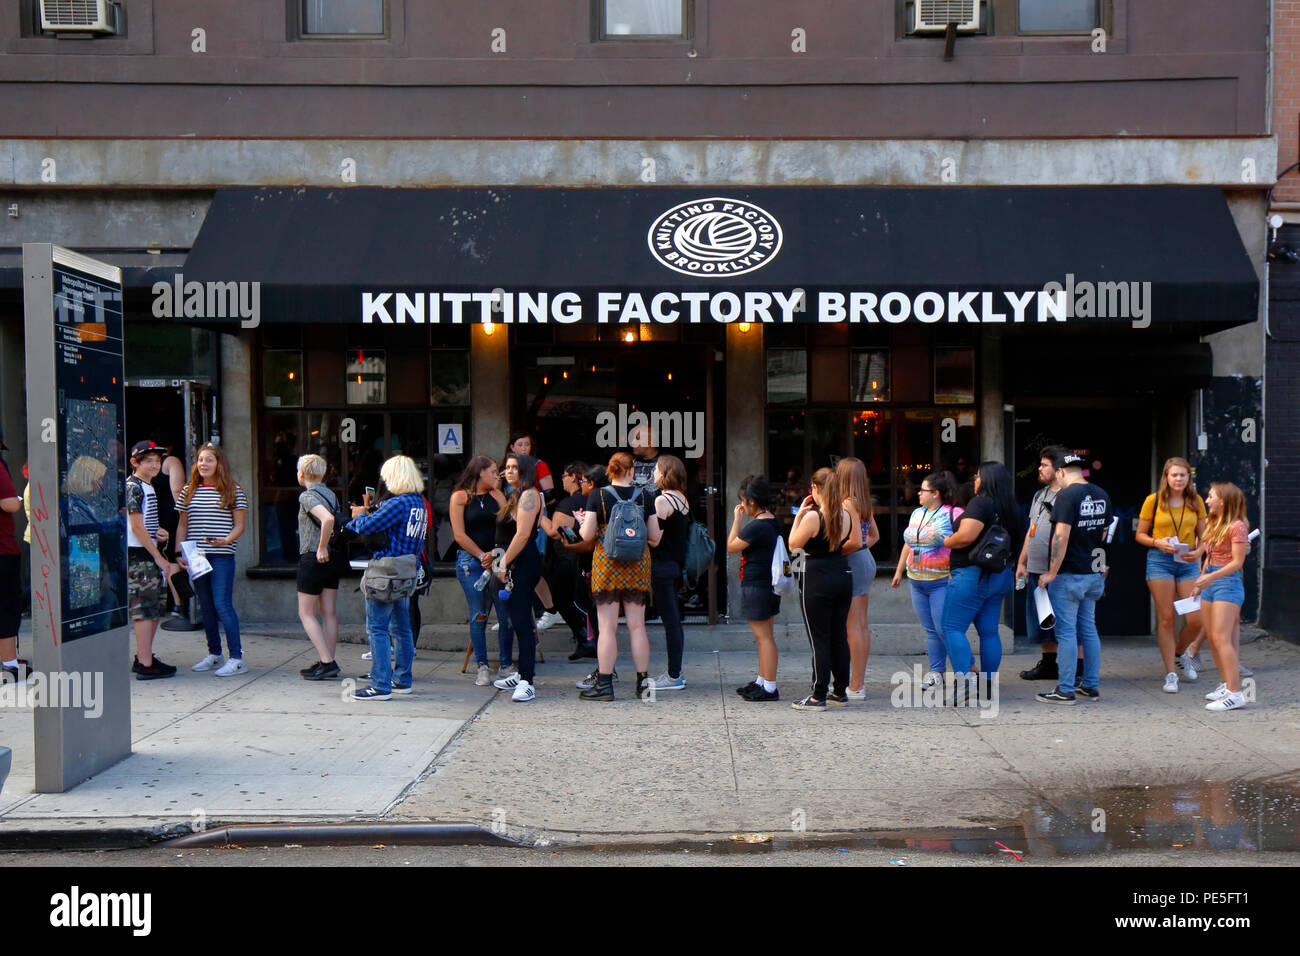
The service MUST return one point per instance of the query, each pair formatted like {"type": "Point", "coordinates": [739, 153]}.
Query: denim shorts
{"type": "Point", "coordinates": [1165, 567]}
{"type": "Point", "coordinates": [1225, 589]}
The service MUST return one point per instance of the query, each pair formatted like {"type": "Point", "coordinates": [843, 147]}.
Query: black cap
{"type": "Point", "coordinates": [142, 447]}
{"type": "Point", "coordinates": [1068, 460]}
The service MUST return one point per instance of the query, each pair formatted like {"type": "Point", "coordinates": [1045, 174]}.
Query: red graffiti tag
{"type": "Point", "coordinates": [41, 534]}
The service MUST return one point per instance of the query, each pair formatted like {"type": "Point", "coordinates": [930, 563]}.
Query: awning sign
{"type": "Point", "coordinates": [449, 440]}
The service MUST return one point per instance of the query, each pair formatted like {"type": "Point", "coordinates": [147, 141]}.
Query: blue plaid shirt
{"type": "Point", "coordinates": [405, 520]}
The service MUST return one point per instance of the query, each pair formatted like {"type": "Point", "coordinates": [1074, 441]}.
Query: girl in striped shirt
{"type": "Point", "coordinates": [212, 509]}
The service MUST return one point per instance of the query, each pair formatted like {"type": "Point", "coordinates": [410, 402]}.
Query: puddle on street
{"type": "Point", "coordinates": [1224, 815]}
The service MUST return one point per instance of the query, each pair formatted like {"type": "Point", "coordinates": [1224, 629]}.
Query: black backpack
{"type": "Point", "coordinates": [340, 519]}
{"type": "Point", "coordinates": [991, 552]}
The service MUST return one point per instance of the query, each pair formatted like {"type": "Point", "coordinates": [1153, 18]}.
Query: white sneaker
{"type": "Point", "coordinates": [208, 663]}
{"type": "Point", "coordinates": [549, 619]}
{"type": "Point", "coordinates": [523, 692]}
{"type": "Point", "coordinates": [1228, 702]}
{"type": "Point", "coordinates": [1218, 693]}
{"type": "Point", "coordinates": [1196, 661]}
{"type": "Point", "coordinates": [232, 667]}
{"type": "Point", "coordinates": [664, 682]}
{"type": "Point", "coordinates": [932, 679]}
{"type": "Point", "coordinates": [1244, 671]}
{"type": "Point", "coordinates": [495, 627]}
{"type": "Point", "coordinates": [857, 694]}
{"type": "Point", "coordinates": [1171, 683]}
{"type": "Point", "coordinates": [508, 681]}
{"type": "Point", "coordinates": [1190, 668]}
{"type": "Point", "coordinates": [484, 676]}
{"type": "Point", "coordinates": [367, 656]}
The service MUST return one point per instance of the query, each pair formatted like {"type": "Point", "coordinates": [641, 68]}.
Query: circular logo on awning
{"type": "Point", "coordinates": [715, 236]}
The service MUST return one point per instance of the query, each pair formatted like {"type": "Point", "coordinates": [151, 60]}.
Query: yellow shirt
{"type": "Point", "coordinates": [27, 509]}
{"type": "Point", "coordinates": [1180, 523]}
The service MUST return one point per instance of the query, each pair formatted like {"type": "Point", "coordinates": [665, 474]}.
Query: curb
{"type": "Point", "coordinates": [344, 834]}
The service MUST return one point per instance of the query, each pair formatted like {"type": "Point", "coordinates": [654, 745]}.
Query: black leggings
{"type": "Point", "coordinates": [526, 571]}
{"type": "Point", "coordinates": [825, 595]}
{"type": "Point", "coordinates": [564, 581]}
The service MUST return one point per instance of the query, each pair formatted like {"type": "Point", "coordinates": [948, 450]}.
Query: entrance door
{"type": "Point", "coordinates": [1116, 444]}
{"type": "Point", "coordinates": [172, 412]}
{"type": "Point", "coordinates": [577, 400]}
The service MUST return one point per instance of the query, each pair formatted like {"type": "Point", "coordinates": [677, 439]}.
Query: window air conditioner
{"type": "Point", "coordinates": [933, 16]}
{"type": "Point", "coordinates": [80, 16]}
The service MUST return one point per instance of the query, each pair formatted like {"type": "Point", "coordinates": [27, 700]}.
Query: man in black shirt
{"type": "Point", "coordinates": [1081, 521]}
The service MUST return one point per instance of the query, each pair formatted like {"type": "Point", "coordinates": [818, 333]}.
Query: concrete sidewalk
{"type": "Point", "coordinates": [269, 746]}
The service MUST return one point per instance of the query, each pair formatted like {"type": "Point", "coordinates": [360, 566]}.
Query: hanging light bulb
{"type": "Point", "coordinates": [744, 326]}
{"type": "Point", "coordinates": [629, 337]}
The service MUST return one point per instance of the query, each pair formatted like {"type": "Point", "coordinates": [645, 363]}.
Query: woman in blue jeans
{"type": "Point", "coordinates": [212, 509]}
{"type": "Point", "coordinates": [405, 520]}
{"type": "Point", "coordinates": [475, 503]}
{"type": "Point", "coordinates": [926, 561]}
{"type": "Point", "coordinates": [973, 594]}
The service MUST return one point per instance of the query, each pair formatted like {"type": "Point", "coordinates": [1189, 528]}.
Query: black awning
{"type": "Point", "coordinates": [1120, 255]}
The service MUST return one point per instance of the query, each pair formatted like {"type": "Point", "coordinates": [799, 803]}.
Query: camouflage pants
{"type": "Point", "coordinates": [145, 590]}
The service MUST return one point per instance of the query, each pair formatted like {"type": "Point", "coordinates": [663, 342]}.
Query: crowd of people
{"type": "Point", "coordinates": [611, 543]}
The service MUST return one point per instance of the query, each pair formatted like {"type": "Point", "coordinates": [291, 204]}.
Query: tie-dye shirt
{"type": "Point", "coordinates": [924, 535]}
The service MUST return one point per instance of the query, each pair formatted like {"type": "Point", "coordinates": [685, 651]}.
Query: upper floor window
{"type": "Point", "coordinates": [644, 19]}
{"type": "Point", "coordinates": [1059, 16]}
{"type": "Point", "coordinates": [325, 19]}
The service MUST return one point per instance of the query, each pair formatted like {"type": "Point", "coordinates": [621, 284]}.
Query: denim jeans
{"type": "Point", "coordinates": [382, 620]}
{"type": "Point", "coordinates": [974, 596]}
{"type": "Point", "coordinates": [468, 571]}
{"type": "Point", "coordinates": [927, 602]}
{"type": "Point", "coordinates": [1074, 602]}
{"type": "Point", "coordinates": [215, 591]}
{"type": "Point", "coordinates": [664, 577]}
{"type": "Point", "coordinates": [1033, 630]}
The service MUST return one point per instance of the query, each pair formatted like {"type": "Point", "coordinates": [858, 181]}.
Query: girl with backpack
{"type": "Point", "coordinates": [618, 519]}
{"type": "Point", "coordinates": [520, 567]}
{"type": "Point", "coordinates": [826, 532]}
{"type": "Point", "coordinates": [319, 568]}
{"type": "Point", "coordinates": [975, 593]}
{"type": "Point", "coordinates": [666, 560]}
{"type": "Point", "coordinates": [756, 544]}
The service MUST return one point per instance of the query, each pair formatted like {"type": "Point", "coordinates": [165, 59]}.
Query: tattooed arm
{"type": "Point", "coordinates": [1060, 538]}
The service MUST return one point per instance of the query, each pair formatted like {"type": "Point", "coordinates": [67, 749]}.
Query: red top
{"type": "Point", "coordinates": [1221, 554]}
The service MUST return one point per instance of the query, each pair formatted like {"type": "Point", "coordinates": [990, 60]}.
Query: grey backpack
{"type": "Point", "coordinates": [625, 530]}
{"type": "Point", "coordinates": [391, 579]}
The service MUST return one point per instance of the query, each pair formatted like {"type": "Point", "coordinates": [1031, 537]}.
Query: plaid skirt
{"type": "Point", "coordinates": [612, 581]}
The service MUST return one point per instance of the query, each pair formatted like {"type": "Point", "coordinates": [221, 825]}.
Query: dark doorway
{"type": "Point", "coordinates": [1116, 443]}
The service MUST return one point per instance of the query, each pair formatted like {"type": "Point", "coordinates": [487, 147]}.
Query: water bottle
{"type": "Point", "coordinates": [483, 579]}
{"type": "Point", "coordinates": [1021, 581]}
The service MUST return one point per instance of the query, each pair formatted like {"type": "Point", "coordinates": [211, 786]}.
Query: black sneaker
{"type": "Point", "coordinates": [155, 671]}
{"type": "Point", "coordinates": [136, 666]}
{"type": "Point", "coordinates": [840, 699]}
{"type": "Point", "coordinates": [1055, 696]}
{"type": "Point", "coordinates": [758, 695]}
{"type": "Point", "coordinates": [1088, 693]}
{"type": "Point", "coordinates": [808, 703]}
{"type": "Point", "coordinates": [742, 691]}
{"type": "Point", "coordinates": [322, 671]}
{"type": "Point", "coordinates": [1041, 671]}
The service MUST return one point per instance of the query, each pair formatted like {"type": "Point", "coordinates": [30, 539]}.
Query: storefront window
{"type": "Point", "coordinates": [449, 369]}
{"type": "Point", "coordinates": [787, 376]}
{"type": "Point", "coordinates": [954, 376]}
{"type": "Point", "coordinates": [871, 376]}
{"type": "Point", "coordinates": [282, 378]}
{"type": "Point", "coordinates": [367, 377]}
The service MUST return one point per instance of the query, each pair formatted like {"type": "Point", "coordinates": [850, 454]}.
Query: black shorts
{"type": "Point", "coordinates": [314, 577]}
{"type": "Point", "coordinates": [759, 603]}
{"type": "Point", "coordinates": [11, 596]}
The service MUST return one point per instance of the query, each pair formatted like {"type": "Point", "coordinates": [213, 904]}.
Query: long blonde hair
{"type": "Point", "coordinates": [855, 483]}
{"type": "Point", "coordinates": [1190, 494]}
{"type": "Point", "coordinates": [1233, 510]}
{"type": "Point", "coordinates": [832, 506]}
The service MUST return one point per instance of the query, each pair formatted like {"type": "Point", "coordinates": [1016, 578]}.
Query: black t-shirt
{"type": "Point", "coordinates": [1087, 510]}
{"type": "Point", "coordinates": [756, 560]}
{"type": "Point", "coordinates": [643, 470]}
{"type": "Point", "coordinates": [979, 509]}
{"type": "Point", "coordinates": [624, 494]}
{"type": "Point", "coordinates": [573, 506]}
{"type": "Point", "coordinates": [672, 543]}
